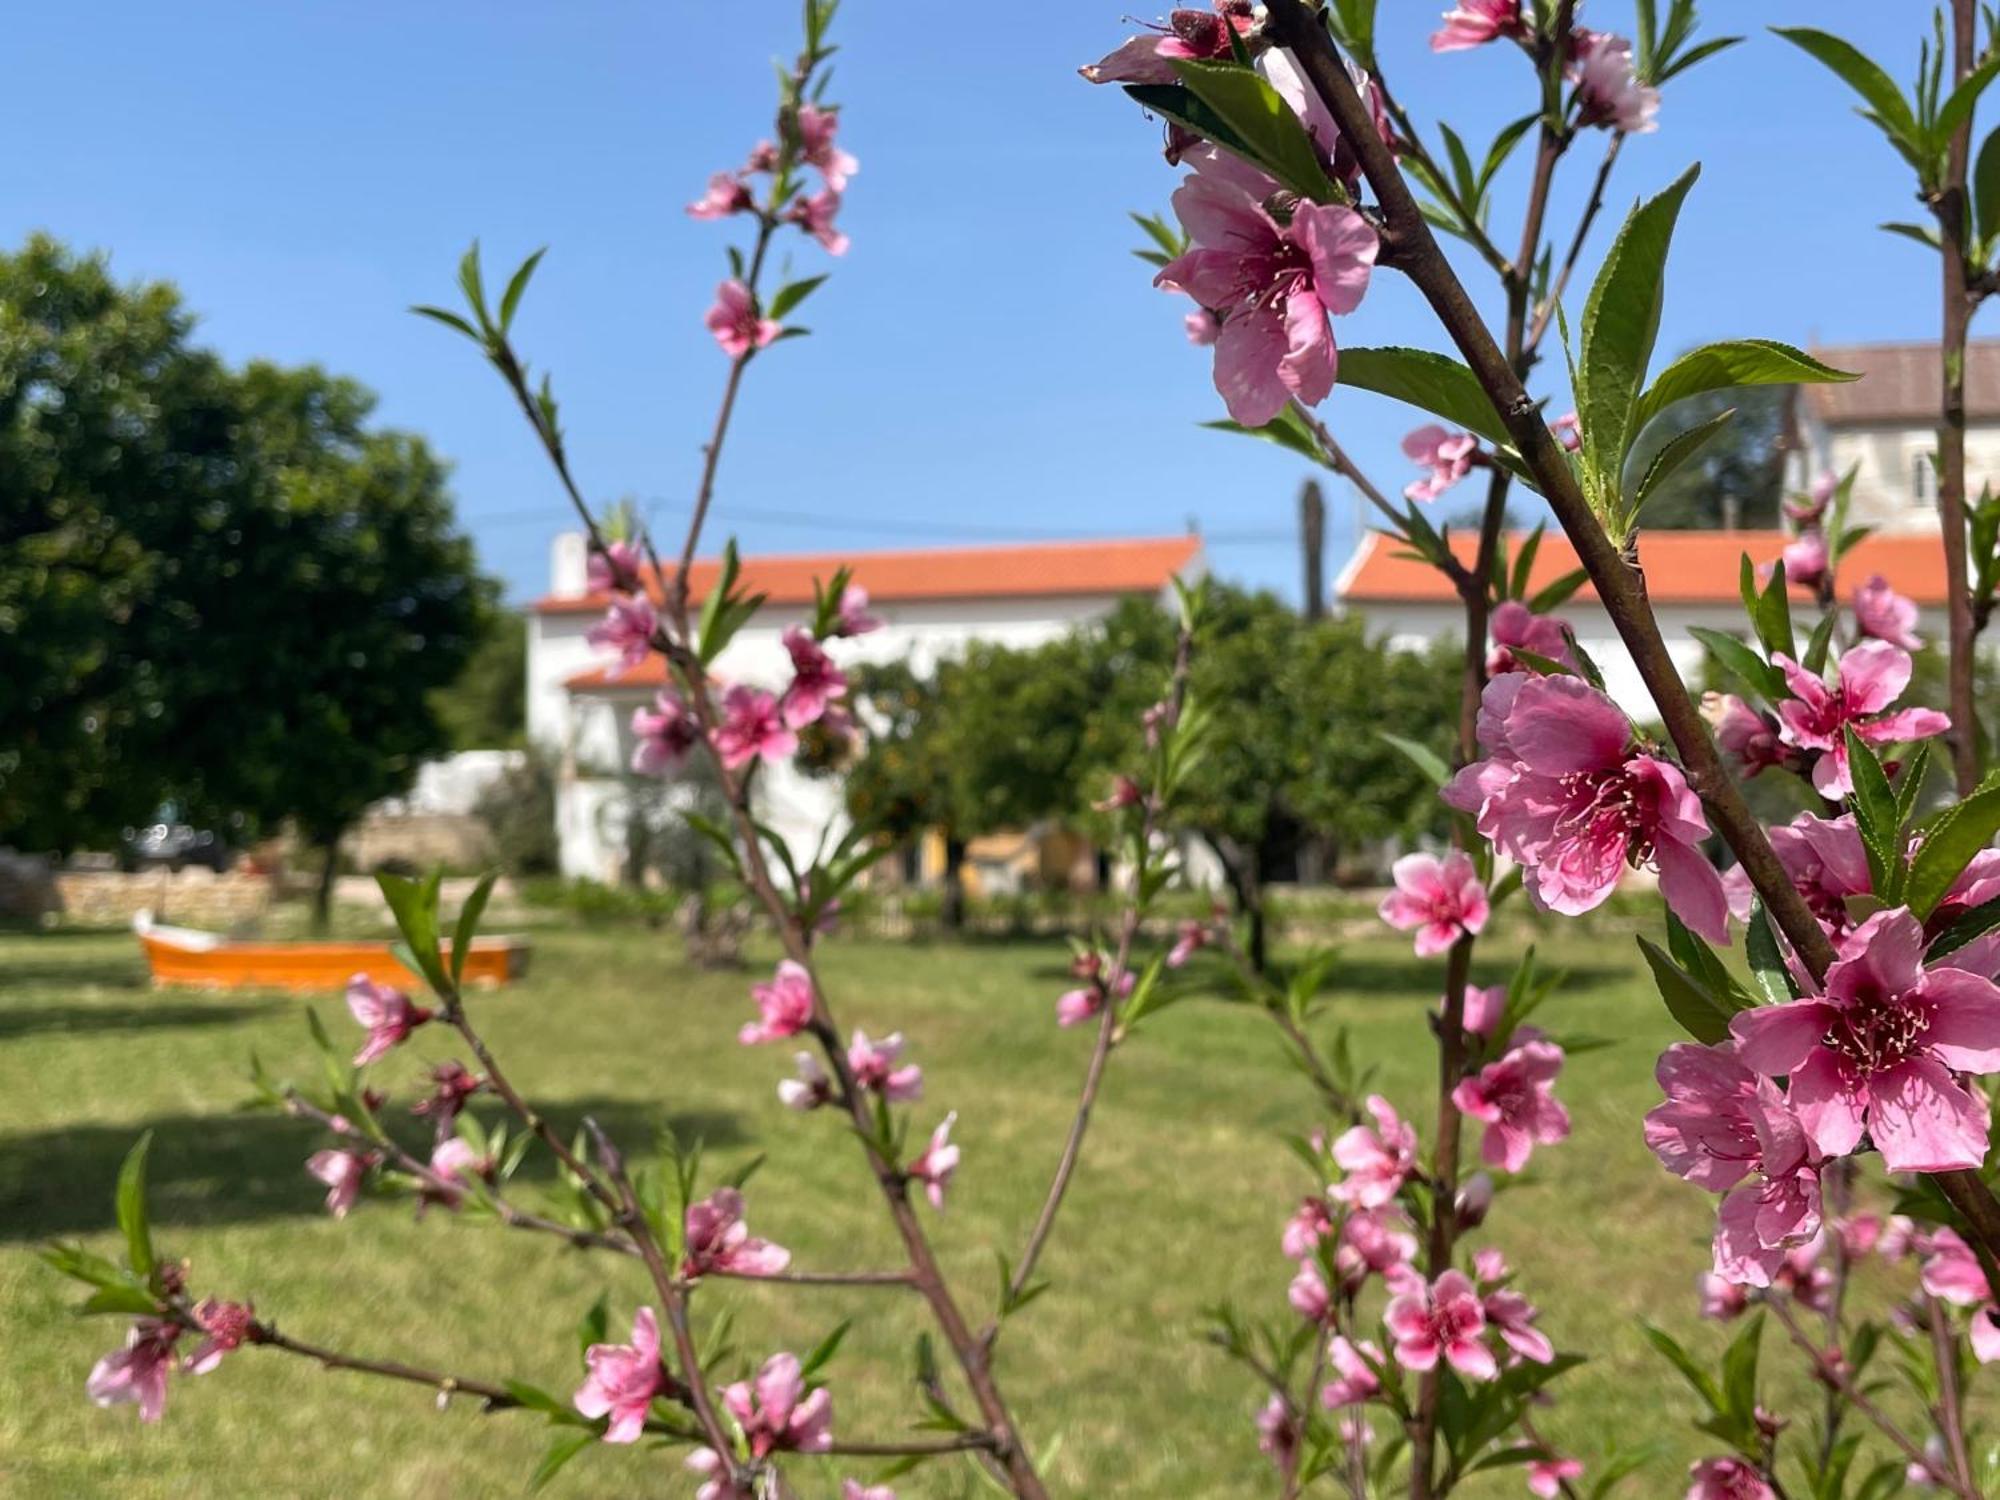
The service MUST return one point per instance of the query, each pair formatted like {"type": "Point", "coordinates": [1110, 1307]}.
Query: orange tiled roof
{"type": "Point", "coordinates": [1681, 567]}
{"type": "Point", "coordinates": [1042, 570]}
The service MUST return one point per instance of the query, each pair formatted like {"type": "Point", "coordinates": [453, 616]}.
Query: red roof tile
{"type": "Point", "coordinates": [1681, 567]}
{"type": "Point", "coordinates": [1043, 570]}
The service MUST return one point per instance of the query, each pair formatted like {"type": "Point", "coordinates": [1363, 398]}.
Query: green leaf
{"type": "Point", "coordinates": [1421, 756]}
{"type": "Point", "coordinates": [1286, 429]}
{"type": "Point", "coordinates": [414, 905]}
{"type": "Point", "coordinates": [1674, 453]}
{"type": "Point", "coordinates": [1700, 1013]}
{"type": "Point", "coordinates": [791, 295]}
{"type": "Point", "coordinates": [468, 924]}
{"type": "Point", "coordinates": [1986, 194]}
{"type": "Point", "coordinates": [1696, 54]}
{"type": "Point", "coordinates": [1862, 74]}
{"type": "Point", "coordinates": [1876, 814]}
{"type": "Point", "coordinates": [1621, 322]}
{"type": "Point", "coordinates": [1768, 969]}
{"type": "Point", "coordinates": [1756, 674]}
{"type": "Point", "coordinates": [561, 1451]}
{"type": "Point", "coordinates": [1524, 562]}
{"type": "Point", "coordinates": [1964, 98]}
{"type": "Point", "coordinates": [1557, 593]}
{"type": "Point", "coordinates": [475, 291]}
{"type": "Point", "coordinates": [1262, 121]}
{"type": "Point", "coordinates": [516, 285]}
{"type": "Point", "coordinates": [131, 1203]}
{"type": "Point", "coordinates": [1739, 1369]}
{"type": "Point", "coordinates": [1771, 611]}
{"type": "Point", "coordinates": [119, 1301]}
{"type": "Point", "coordinates": [1977, 922]}
{"type": "Point", "coordinates": [1177, 103]}
{"type": "Point", "coordinates": [595, 1325]}
{"type": "Point", "coordinates": [823, 1352]}
{"type": "Point", "coordinates": [1726, 366]}
{"type": "Point", "coordinates": [1948, 847]}
{"type": "Point", "coordinates": [1924, 234]}
{"type": "Point", "coordinates": [1694, 1374]}
{"type": "Point", "coordinates": [449, 319]}
{"type": "Point", "coordinates": [1434, 383]}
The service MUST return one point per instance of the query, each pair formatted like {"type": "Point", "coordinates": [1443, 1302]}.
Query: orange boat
{"type": "Point", "coordinates": [186, 956]}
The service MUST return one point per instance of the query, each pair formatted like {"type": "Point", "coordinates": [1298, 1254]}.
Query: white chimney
{"type": "Point", "coordinates": [569, 565]}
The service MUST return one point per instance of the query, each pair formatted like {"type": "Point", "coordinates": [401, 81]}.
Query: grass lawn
{"type": "Point", "coordinates": [1183, 1190]}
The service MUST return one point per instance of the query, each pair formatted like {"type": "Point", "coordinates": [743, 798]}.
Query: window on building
{"type": "Point", "coordinates": [1923, 478]}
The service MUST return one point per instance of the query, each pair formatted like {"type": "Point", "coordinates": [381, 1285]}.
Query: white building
{"type": "Point", "coordinates": [1691, 577]}
{"type": "Point", "coordinates": [1884, 426]}
{"type": "Point", "coordinates": [932, 604]}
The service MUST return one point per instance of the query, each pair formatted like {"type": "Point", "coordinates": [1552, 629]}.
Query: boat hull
{"type": "Point", "coordinates": [315, 966]}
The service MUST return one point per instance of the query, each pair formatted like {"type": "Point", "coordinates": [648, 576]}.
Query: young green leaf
{"type": "Point", "coordinates": [1263, 122]}
{"type": "Point", "coordinates": [1434, 383]}
{"type": "Point", "coordinates": [131, 1204]}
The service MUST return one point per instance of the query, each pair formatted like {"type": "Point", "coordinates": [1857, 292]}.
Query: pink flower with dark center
{"type": "Point", "coordinates": [1877, 1052]}
{"type": "Point", "coordinates": [874, 1065]}
{"type": "Point", "coordinates": [1440, 900]}
{"type": "Point", "coordinates": [343, 1172]}
{"type": "Point", "coordinates": [1546, 1476]}
{"type": "Point", "coordinates": [1474, 23]}
{"type": "Point", "coordinates": [1727, 1479]}
{"type": "Point", "coordinates": [1124, 793]}
{"type": "Point", "coordinates": [1203, 328]}
{"type": "Point", "coordinates": [451, 1086]}
{"type": "Point", "coordinates": [810, 1089]}
{"type": "Point", "coordinates": [1881, 612]}
{"type": "Point", "coordinates": [816, 131]}
{"type": "Point", "coordinates": [816, 681]}
{"type": "Point", "coordinates": [1375, 1160]}
{"type": "Point", "coordinates": [1278, 1433]}
{"type": "Point", "coordinates": [627, 629]}
{"type": "Point", "coordinates": [815, 215]}
{"type": "Point", "coordinates": [1827, 864]}
{"type": "Point", "coordinates": [664, 735]}
{"type": "Point", "coordinates": [763, 157]}
{"type": "Point", "coordinates": [1308, 1225]}
{"type": "Point", "coordinates": [737, 325]}
{"type": "Point", "coordinates": [623, 1379]}
{"type": "Point", "coordinates": [1722, 1300]}
{"type": "Point", "coordinates": [753, 728]}
{"type": "Point", "coordinates": [1369, 1246]}
{"type": "Point", "coordinates": [1609, 91]}
{"type": "Point", "coordinates": [1189, 939]}
{"type": "Point", "coordinates": [1564, 795]}
{"type": "Point", "coordinates": [784, 1006]}
{"type": "Point", "coordinates": [719, 1241]}
{"type": "Point", "coordinates": [1354, 1366]}
{"type": "Point", "coordinates": [1274, 287]}
{"type": "Point", "coordinates": [1806, 510]}
{"type": "Point", "coordinates": [1515, 627]}
{"type": "Point", "coordinates": [614, 570]}
{"type": "Point", "coordinates": [1515, 1098]}
{"type": "Point", "coordinates": [1442, 1320]}
{"type": "Point", "coordinates": [776, 1413]}
{"type": "Point", "coordinates": [1308, 1294]}
{"type": "Point", "coordinates": [853, 617]}
{"type": "Point", "coordinates": [226, 1327]}
{"type": "Point", "coordinates": [1189, 34]}
{"type": "Point", "coordinates": [138, 1372]}
{"type": "Point", "coordinates": [386, 1012]}
{"type": "Point", "coordinates": [727, 194]}
{"type": "Point", "coordinates": [1484, 1008]}
{"type": "Point", "coordinates": [1446, 456]}
{"type": "Point", "coordinates": [1744, 734]}
{"type": "Point", "coordinates": [938, 1163]}
{"type": "Point", "coordinates": [1513, 1317]}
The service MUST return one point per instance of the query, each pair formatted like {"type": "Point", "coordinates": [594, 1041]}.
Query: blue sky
{"type": "Point", "coordinates": [988, 360]}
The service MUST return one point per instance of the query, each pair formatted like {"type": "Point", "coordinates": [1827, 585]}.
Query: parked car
{"type": "Point", "coordinates": [175, 845]}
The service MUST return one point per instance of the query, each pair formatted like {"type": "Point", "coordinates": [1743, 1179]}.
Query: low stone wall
{"type": "Point", "coordinates": [420, 841]}
{"type": "Point", "coordinates": [193, 898]}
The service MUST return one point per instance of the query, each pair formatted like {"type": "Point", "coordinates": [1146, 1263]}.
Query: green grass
{"type": "Point", "coordinates": [1182, 1192]}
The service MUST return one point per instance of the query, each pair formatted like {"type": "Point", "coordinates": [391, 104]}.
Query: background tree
{"type": "Point", "coordinates": [1738, 479]}
{"type": "Point", "coordinates": [486, 706]}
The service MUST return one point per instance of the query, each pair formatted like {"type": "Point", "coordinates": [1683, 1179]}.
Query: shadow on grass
{"type": "Point", "coordinates": [40, 1020]}
{"type": "Point", "coordinates": [230, 1169]}
{"type": "Point", "coordinates": [104, 973]}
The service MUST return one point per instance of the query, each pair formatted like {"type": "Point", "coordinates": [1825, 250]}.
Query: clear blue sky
{"type": "Point", "coordinates": [987, 358]}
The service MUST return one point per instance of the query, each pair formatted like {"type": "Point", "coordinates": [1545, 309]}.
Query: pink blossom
{"type": "Point", "coordinates": [1483, 1008]}
{"type": "Point", "coordinates": [387, 1013]}
{"type": "Point", "coordinates": [615, 569]}
{"type": "Point", "coordinates": [1282, 71]}
{"type": "Point", "coordinates": [664, 735]}
{"type": "Point", "coordinates": [1881, 612]}
{"type": "Point", "coordinates": [1727, 1479]}
{"type": "Point", "coordinates": [775, 1412]}
{"type": "Point", "coordinates": [1568, 429]}
{"type": "Point", "coordinates": [1513, 1317]}
{"type": "Point", "coordinates": [1273, 287]}
{"type": "Point", "coordinates": [138, 1372]}
{"type": "Point", "coordinates": [1806, 510]}
{"type": "Point", "coordinates": [1721, 1125]}
{"type": "Point", "coordinates": [810, 1089]}
{"type": "Point", "coordinates": [343, 1172]}
{"type": "Point", "coordinates": [627, 629]}
{"type": "Point", "coordinates": [816, 131]}
{"type": "Point", "coordinates": [451, 1085]}
{"type": "Point", "coordinates": [874, 1065]}
{"type": "Point", "coordinates": [1203, 328]}
{"type": "Point", "coordinates": [1278, 1433]}
{"type": "Point", "coordinates": [816, 681]}
{"type": "Point", "coordinates": [1448, 456]}
{"type": "Point", "coordinates": [815, 216]}
{"type": "Point", "coordinates": [1515, 1098]}
{"type": "Point", "coordinates": [1375, 1160]}
{"type": "Point", "coordinates": [454, 1160]}
{"type": "Point", "coordinates": [737, 325]}
{"type": "Point", "coordinates": [623, 1379]}
{"type": "Point", "coordinates": [1474, 1199]}
{"type": "Point", "coordinates": [1308, 1294]}
{"type": "Point", "coordinates": [226, 1327]}
{"type": "Point", "coordinates": [763, 157]}
{"type": "Point", "coordinates": [1546, 1476]}
{"type": "Point", "coordinates": [1515, 627]}
{"type": "Point", "coordinates": [1442, 900]}
{"type": "Point", "coordinates": [854, 1489]}
{"type": "Point", "coordinates": [1310, 1223]}
{"type": "Point", "coordinates": [1189, 35]}
{"type": "Point", "coordinates": [1190, 938]}
{"type": "Point", "coordinates": [1951, 1273]}
{"type": "Point", "coordinates": [718, 1482]}
{"type": "Point", "coordinates": [1074, 1007]}
{"type": "Point", "coordinates": [1354, 1366]}
{"type": "Point", "coordinates": [1722, 1300]}
{"type": "Point", "coordinates": [1564, 795]}
{"type": "Point", "coordinates": [1473, 23]}
{"type": "Point", "coordinates": [853, 617]}
{"type": "Point", "coordinates": [1369, 1245]}
{"type": "Point", "coordinates": [938, 1163]}
{"type": "Point", "coordinates": [753, 728]}
{"type": "Point", "coordinates": [1806, 559]}
{"type": "Point", "coordinates": [719, 1241]}
{"type": "Point", "coordinates": [1124, 793]}
{"type": "Point", "coordinates": [1444, 1319]}
{"type": "Point", "coordinates": [1749, 737]}
{"type": "Point", "coordinates": [1878, 1051]}
{"type": "Point", "coordinates": [726, 194]}
{"type": "Point", "coordinates": [784, 1006]}
{"type": "Point", "coordinates": [1610, 92]}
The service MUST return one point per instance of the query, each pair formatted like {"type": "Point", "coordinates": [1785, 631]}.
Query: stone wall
{"type": "Point", "coordinates": [419, 841]}
{"type": "Point", "coordinates": [193, 898]}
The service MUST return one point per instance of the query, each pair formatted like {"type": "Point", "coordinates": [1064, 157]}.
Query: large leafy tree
{"type": "Point", "coordinates": [1738, 476]}
{"type": "Point", "coordinates": [221, 587]}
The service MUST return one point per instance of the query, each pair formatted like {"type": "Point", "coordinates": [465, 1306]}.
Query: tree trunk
{"type": "Point", "coordinates": [1240, 869]}
{"type": "Point", "coordinates": [954, 883]}
{"type": "Point", "coordinates": [329, 871]}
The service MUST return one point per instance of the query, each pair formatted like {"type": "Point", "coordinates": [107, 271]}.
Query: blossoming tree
{"type": "Point", "coordinates": [1411, 1356]}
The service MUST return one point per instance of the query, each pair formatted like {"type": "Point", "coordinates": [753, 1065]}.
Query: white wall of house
{"type": "Point", "coordinates": [1895, 485]}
